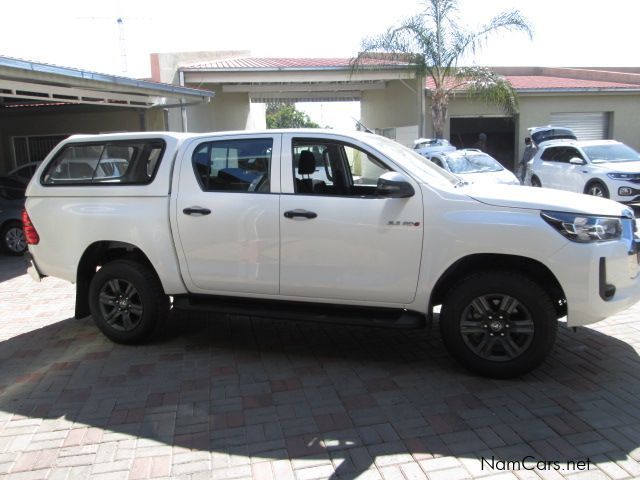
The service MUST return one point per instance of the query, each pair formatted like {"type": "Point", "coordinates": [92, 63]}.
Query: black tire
{"type": "Point", "coordinates": [597, 189]}
{"type": "Point", "coordinates": [498, 324]}
{"type": "Point", "coordinates": [127, 301]}
{"type": "Point", "coordinates": [535, 182]}
{"type": "Point", "coordinates": [13, 240]}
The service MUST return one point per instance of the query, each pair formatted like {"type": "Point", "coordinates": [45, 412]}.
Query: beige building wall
{"type": "Point", "coordinates": [395, 106]}
{"type": "Point", "coordinates": [225, 111]}
{"type": "Point", "coordinates": [624, 107]}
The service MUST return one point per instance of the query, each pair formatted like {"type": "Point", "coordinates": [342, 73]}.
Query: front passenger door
{"type": "Point", "coordinates": [338, 240]}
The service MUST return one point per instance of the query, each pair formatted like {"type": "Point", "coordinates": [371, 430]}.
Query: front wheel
{"type": "Point", "coordinates": [535, 182]}
{"type": "Point", "coordinates": [498, 324]}
{"type": "Point", "coordinates": [597, 189]}
{"type": "Point", "coordinates": [127, 301]}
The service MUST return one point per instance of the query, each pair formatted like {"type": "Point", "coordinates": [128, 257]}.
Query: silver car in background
{"type": "Point", "coordinates": [12, 239]}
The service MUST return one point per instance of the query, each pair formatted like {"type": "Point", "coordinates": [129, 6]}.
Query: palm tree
{"type": "Point", "coordinates": [433, 43]}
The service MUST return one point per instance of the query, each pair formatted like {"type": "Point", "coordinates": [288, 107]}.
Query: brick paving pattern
{"type": "Point", "coordinates": [229, 397]}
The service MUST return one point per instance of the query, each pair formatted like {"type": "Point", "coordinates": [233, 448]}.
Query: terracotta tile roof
{"type": "Point", "coordinates": [271, 63]}
{"type": "Point", "coordinates": [541, 82]}
{"type": "Point", "coordinates": [520, 82]}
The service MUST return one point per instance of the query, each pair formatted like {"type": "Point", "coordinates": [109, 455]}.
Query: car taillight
{"type": "Point", "coordinates": [30, 232]}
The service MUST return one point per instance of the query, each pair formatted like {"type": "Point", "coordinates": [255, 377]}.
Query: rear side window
{"type": "Point", "coordinates": [132, 162]}
{"type": "Point", "coordinates": [240, 165]}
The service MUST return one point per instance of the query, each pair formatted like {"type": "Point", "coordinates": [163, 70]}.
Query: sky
{"type": "Point", "coordinates": [85, 33]}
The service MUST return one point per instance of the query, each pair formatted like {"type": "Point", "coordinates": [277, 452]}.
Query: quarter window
{"type": "Point", "coordinates": [120, 162]}
{"type": "Point", "coordinates": [241, 165]}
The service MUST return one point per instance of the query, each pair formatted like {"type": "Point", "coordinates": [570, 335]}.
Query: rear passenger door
{"type": "Point", "coordinates": [552, 169]}
{"type": "Point", "coordinates": [227, 216]}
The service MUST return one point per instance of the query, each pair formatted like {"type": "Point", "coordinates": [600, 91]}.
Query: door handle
{"type": "Point", "coordinates": [300, 213]}
{"type": "Point", "coordinates": [196, 211]}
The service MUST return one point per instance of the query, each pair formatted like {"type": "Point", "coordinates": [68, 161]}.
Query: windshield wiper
{"type": "Point", "coordinates": [461, 183]}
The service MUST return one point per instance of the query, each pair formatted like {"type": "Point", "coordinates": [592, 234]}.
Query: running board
{"type": "Point", "coordinates": [312, 312]}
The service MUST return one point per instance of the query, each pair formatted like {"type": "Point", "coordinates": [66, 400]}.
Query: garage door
{"type": "Point", "coordinates": [586, 126]}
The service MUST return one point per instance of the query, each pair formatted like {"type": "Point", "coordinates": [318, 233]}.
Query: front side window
{"type": "Point", "coordinates": [322, 167]}
{"type": "Point", "coordinates": [119, 162]}
{"type": "Point", "coordinates": [570, 153]}
{"type": "Point", "coordinates": [240, 165]}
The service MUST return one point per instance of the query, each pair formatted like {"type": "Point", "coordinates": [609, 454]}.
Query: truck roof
{"type": "Point", "coordinates": [184, 136]}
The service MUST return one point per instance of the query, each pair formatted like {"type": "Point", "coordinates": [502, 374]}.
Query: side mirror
{"type": "Point", "coordinates": [576, 161]}
{"type": "Point", "coordinates": [394, 185]}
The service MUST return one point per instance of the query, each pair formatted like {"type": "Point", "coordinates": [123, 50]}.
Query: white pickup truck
{"type": "Point", "coordinates": [318, 225]}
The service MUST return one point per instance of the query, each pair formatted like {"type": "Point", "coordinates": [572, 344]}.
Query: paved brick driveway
{"type": "Point", "coordinates": [235, 397]}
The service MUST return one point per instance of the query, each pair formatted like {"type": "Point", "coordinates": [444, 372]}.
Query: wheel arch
{"type": "Point", "coordinates": [534, 269]}
{"type": "Point", "coordinates": [96, 255]}
{"type": "Point", "coordinates": [595, 180]}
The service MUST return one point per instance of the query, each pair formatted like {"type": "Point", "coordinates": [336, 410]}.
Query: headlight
{"type": "Point", "coordinates": [584, 228]}
{"type": "Point", "coordinates": [622, 176]}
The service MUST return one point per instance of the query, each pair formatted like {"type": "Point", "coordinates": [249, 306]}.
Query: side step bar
{"type": "Point", "coordinates": [313, 312]}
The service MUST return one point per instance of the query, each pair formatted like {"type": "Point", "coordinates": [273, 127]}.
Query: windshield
{"type": "Point", "coordinates": [472, 163]}
{"type": "Point", "coordinates": [416, 163]}
{"type": "Point", "coordinates": [616, 152]}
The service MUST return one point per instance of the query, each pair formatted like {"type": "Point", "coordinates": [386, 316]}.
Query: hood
{"type": "Point", "coordinates": [543, 199]}
{"type": "Point", "coordinates": [622, 167]}
{"type": "Point", "coordinates": [502, 176]}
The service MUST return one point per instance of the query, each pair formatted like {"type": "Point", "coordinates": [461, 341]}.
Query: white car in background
{"type": "Point", "coordinates": [429, 146]}
{"type": "Point", "coordinates": [603, 168]}
{"type": "Point", "coordinates": [474, 166]}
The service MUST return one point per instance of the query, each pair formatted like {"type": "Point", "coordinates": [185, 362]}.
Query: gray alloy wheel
{"type": "Point", "coordinates": [497, 327]}
{"type": "Point", "coordinates": [120, 305]}
{"type": "Point", "coordinates": [13, 239]}
{"type": "Point", "coordinates": [499, 323]}
{"type": "Point", "coordinates": [597, 189]}
{"type": "Point", "coordinates": [127, 301]}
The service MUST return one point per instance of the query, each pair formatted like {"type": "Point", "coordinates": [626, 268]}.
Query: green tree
{"type": "Point", "coordinates": [433, 43]}
{"type": "Point", "coordinates": [286, 115]}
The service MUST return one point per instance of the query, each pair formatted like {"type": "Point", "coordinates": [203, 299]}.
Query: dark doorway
{"type": "Point", "coordinates": [500, 132]}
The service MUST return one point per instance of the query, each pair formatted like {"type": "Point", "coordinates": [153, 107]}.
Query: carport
{"type": "Point", "coordinates": [42, 104]}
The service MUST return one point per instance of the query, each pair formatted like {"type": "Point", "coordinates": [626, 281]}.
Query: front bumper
{"type": "Point", "coordinates": [599, 280]}
{"type": "Point", "coordinates": [624, 192]}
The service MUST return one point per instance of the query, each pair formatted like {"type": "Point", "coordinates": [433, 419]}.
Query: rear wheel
{"type": "Point", "coordinates": [535, 182]}
{"type": "Point", "coordinates": [499, 323]}
{"type": "Point", "coordinates": [127, 301]}
{"type": "Point", "coordinates": [13, 240]}
{"type": "Point", "coordinates": [597, 189]}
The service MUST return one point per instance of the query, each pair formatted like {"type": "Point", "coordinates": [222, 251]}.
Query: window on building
{"type": "Point", "coordinates": [28, 149]}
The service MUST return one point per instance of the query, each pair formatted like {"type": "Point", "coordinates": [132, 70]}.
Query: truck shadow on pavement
{"type": "Point", "coordinates": [347, 399]}
{"type": "Point", "coordinates": [11, 267]}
